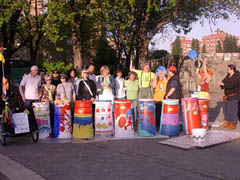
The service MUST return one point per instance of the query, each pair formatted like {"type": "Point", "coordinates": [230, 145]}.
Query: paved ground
{"type": "Point", "coordinates": [119, 159]}
{"type": "Point", "coordinates": [123, 159]}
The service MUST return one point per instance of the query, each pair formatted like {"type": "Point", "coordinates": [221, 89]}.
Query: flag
{"type": "Point", "coordinates": [2, 58]}
{"type": "Point", "coordinates": [5, 86]}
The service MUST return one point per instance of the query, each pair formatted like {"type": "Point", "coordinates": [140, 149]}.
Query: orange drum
{"type": "Point", "coordinates": [203, 106]}
{"type": "Point", "coordinates": [191, 114]}
{"type": "Point", "coordinates": [123, 118]}
{"type": "Point", "coordinates": [82, 123]}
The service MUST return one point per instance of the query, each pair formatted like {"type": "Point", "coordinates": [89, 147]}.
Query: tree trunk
{"type": "Point", "coordinates": [143, 51]}
{"type": "Point", "coordinates": [77, 44]}
{"type": "Point", "coordinates": [77, 55]}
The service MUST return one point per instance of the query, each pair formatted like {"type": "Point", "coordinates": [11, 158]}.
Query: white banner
{"type": "Point", "coordinates": [21, 122]}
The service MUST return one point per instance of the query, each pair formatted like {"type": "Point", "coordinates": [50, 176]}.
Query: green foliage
{"type": "Point", "coordinates": [204, 49]}
{"type": "Point", "coordinates": [105, 56]}
{"type": "Point", "coordinates": [176, 48]}
{"type": "Point", "coordinates": [195, 45]}
{"type": "Point", "coordinates": [158, 54]}
{"type": "Point", "coordinates": [219, 48]}
{"type": "Point", "coordinates": [230, 45]}
{"type": "Point", "coordinates": [59, 65]}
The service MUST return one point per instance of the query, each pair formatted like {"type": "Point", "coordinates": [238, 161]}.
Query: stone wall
{"type": "Point", "coordinates": [216, 62]}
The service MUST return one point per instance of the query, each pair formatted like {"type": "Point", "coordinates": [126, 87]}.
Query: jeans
{"type": "Point", "coordinates": [135, 106]}
{"type": "Point", "coordinates": [230, 111]}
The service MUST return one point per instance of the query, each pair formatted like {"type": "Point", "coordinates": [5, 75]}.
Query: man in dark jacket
{"type": "Point", "coordinates": [231, 86]}
{"type": "Point", "coordinates": [87, 88]}
{"type": "Point", "coordinates": [174, 89]}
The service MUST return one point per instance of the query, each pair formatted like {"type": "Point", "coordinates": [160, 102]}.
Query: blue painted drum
{"type": "Point", "coordinates": [103, 118]}
{"type": "Point", "coordinates": [169, 125]}
{"type": "Point", "coordinates": [147, 126]}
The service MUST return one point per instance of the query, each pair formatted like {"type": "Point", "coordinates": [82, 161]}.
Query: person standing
{"type": "Point", "coordinates": [174, 89]}
{"type": "Point", "coordinates": [231, 86]}
{"type": "Point", "coordinates": [30, 88]}
{"type": "Point", "coordinates": [87, 88]}
{"type": "Point", "coordinates": [48, 91]}
{"type": "Point", "coordinates": [145, 78]}
{"type": "Point", "coordinates": [106, 85]}
{"type": "Point", "coordinates": [55, 78]}
{"type": "Point", "coordinates": [131, 86]}
{"type": "Point", "coordinates": [205, 76]}
{"type": "Point", "coordinates": [120, 91]}
{"type": "Point", "coordinates": [159, 85]}
{"type": "Point", "coordinates": [91, 75]}
{"type": "Point", "coordinates": [65, 90]}
{"type": "Point", "coordinates": [72, 78]}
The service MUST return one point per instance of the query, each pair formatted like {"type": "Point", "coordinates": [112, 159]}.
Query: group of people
{"type": "Point", "coordinates": [140, 84]}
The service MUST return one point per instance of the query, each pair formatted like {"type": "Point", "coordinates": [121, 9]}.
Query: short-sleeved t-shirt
{"type": "Point", "coordinates": [31, 86]}
{"type": "Point", "coordinates": [160, 90]}
{"type": "Point", "coordinates": [144, 78]}
{"type": "Point", "coordinates": [132, 89]}
{"type": "Point", "coordinates": [174, 84]}
{"type": "Point", "coordinates": [68, 93]}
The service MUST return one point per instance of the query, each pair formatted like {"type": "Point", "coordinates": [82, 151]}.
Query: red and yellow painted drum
{"type": "Point", "coordinates": [62, 119]}
{"type": "Point", "coordinates": [42, 112]}
{"type": "Point", "coordinates": [191, 114]}
{"type": "Point", "coordinates": [82, 123]}
{"type": "Point", "coordinates": [123, 118]}
{"type": "Point", "coordinates": [147, 126]}
{"type": "Point", "coordinates": [169, 125]}
{"type": "Point", "coordinates": [203, 106]}
{"type": "Point", "coordinates": [103, 118]}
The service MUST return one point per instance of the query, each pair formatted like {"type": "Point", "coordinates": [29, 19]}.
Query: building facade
{"type": "Point", "coordinates": [211, 41]}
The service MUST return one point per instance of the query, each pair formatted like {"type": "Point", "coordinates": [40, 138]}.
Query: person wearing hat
{"type": "Point", "coordinates": [55, 78]}
{"type": "Point", "coordinates": [174, 89]}
{"type": "Point", "coordinates": [159, 85]}
{"type": "Point", "coordinates": [145, 79]}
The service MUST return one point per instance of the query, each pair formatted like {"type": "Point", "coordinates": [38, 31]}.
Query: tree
{"type": "Point", "coordinates": [219, 47]}
{"type": "Point", "coordinates": [151, 16]}
{"type": "Point", "coordinates": [230, 45]}
{"type": "Point", "coordinates": [195, 45]}
{"type": "Point", "coordinates": [21, 26]}
{"type": "Point", "coordinates": [204, 49]}
{"type": "Point", "coordinates": [176, 48]}
{"type": "Point", "coordinates": [75, 14]}
{"type": "Point", "coordinates": [158, 54]}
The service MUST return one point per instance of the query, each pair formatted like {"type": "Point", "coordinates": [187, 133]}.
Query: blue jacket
{"type": "Point", "coordinates": [112, 84]}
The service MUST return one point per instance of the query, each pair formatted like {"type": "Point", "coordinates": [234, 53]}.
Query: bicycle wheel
{"type": "Point", "coordinates": [35, 136]}
{"type": "Point", "coordinates": [2, 136]}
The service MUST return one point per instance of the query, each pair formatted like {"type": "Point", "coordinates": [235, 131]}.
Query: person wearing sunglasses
{"type": "Point", "coordinates": [55, 78]}
{"type": "Point", "coordinates": [48, 91]}
{"type": "Point", "coordinates": [87, 88]}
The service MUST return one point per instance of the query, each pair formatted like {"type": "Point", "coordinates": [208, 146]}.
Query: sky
{"type": "Point", "coordinates": [231, 26]}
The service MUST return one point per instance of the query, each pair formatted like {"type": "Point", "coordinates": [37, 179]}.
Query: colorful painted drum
{"type": "Point", "coordinates": [103, 118]}
{"type": "Point", "coordinates": [42, 115]}
{"type": "Point", "coordinates": [203, 106]}
{"type": "Point", "coordinates": [191, 114]}
{"type": "Point", "coordinates": [147, 126]}
{"type": "Point", "coordinates": [123, 118]}
{"type": "Point", "coordinates": [200, 94]}
{"type": "Point", "coordinates": [82, 123]}
{"type": "Point", "coordinates": [62, 119]}
{"type": "Point", "coordinates": [170, 118]}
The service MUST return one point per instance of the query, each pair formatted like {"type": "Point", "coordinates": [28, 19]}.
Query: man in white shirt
{"type": "Point", "coordinates": [29, 89]}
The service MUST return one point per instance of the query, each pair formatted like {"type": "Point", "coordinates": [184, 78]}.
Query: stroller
{"type": "Point", "coordinates": [10, 109]}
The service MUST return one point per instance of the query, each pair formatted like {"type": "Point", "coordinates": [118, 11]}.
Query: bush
{"type": "Point", "coordinates": [59, 65]}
